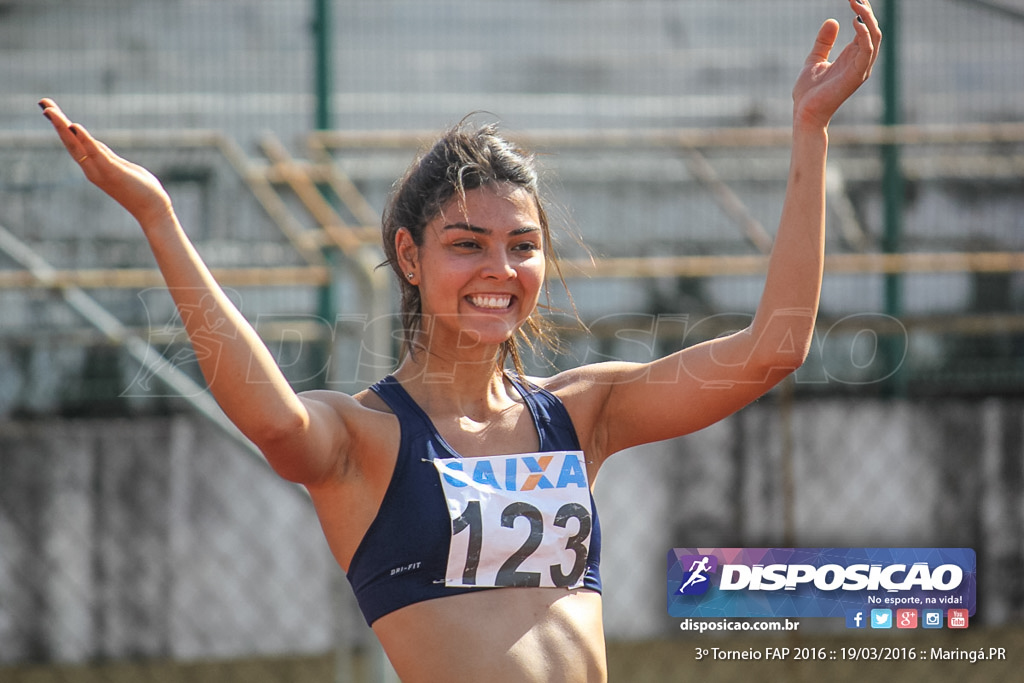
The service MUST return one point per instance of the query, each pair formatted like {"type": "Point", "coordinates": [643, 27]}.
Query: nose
{"type": "Point", "coordinates": [499, 267]}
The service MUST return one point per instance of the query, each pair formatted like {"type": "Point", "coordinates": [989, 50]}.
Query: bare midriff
{"type": "Point", "coordinates": [504, 635]}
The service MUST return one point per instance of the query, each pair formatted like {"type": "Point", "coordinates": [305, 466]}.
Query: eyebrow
{"type": "Point", "coordinates": [524, 230]}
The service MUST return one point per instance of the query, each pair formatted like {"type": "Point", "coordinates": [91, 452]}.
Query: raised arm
{"type": "Point", "coordinates": [302, 437]}
{"type": "Point", "coordinates": [628, 404]}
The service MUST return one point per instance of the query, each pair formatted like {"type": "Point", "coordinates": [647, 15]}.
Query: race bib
{"type": "Point", "coordinates": [517, 520]}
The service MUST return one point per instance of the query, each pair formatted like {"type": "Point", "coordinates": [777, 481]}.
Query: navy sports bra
{"type": "Point", "coordinates": [402, 557]}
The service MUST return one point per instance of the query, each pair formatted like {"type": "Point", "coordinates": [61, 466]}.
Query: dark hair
{"type": "Point", "coordinates": [461, 160]}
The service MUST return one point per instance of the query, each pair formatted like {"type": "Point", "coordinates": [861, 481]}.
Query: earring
{"type": "Point", "coordinates": [410, 275]}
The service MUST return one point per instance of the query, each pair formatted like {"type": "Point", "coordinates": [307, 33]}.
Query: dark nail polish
{"type": "Point", "coordinates": [47, 116]}
{"type": "Point", "coordinates": [42, 106]}
{"type": "Point", "coordinates": [860, 19]}
{"type": "Point", "coordinates": [73, 129]}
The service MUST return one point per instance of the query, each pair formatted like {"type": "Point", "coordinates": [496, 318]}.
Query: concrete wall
{"type": "Point", "coordinates": [153, 538]}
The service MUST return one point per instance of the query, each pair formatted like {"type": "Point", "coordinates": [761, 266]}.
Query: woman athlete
{"type": "Point", "coordinates": [455, 492]}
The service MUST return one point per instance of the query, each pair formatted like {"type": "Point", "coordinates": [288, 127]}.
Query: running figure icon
{"type": "Point", "coordinates": [697, 573]}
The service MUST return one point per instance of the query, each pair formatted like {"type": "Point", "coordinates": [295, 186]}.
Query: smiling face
{"type": "Point", "coordinates": [480, 267]}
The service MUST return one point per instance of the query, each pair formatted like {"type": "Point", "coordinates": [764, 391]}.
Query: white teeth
{"type": "Point", "coordinates": [490, 301]}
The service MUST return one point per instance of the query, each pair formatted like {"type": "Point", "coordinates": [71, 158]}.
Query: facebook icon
{"type": "Point", "coordinates": [856, 618]}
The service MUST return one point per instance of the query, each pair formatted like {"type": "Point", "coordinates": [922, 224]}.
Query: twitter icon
{"type": "Point", "coordinates": [881, 618]}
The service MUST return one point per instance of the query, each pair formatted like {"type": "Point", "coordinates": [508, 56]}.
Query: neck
{"type": "Point", "coordinates": [466, 385]}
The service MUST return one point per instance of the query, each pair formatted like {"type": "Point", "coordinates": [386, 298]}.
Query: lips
{"type": "Point", "coordinates": [494, 302]}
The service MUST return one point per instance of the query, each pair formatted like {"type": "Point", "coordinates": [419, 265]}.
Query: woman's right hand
{"type": "Point", "coordinates": [131, 185]}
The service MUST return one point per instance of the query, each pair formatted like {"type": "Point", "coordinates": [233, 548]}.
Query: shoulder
{"type": "Point", "coordinates": [352, 427]}
{"type": "Point", "coordinates": [587, 383]}
{"type": "Point", "coordinates": [356, 412]}
{"type": "Point", "coordinates": [585, 392]}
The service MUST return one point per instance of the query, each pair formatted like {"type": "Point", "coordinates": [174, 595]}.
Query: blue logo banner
{"type": "Point", "coordinates": [818, 582]}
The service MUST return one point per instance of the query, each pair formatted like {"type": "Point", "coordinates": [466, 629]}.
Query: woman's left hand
{"type": "Point", "coordinates": [823, 86]}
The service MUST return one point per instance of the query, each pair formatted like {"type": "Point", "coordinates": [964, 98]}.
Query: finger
{"type": "Point", "coordinates": [79, 143]}
{"type": "Point", "coordinates": [54, 114]}
{"type": "Point", "coordinates": [66, 130]}
{"type": "Point", "coordinates": [90, 145]}
{"type": "Point", "coordinates": [824, 42]}
{"type": "Point", "coordinates": [866, 18]}
{"type": "Point", "coordinates": [867, 37]}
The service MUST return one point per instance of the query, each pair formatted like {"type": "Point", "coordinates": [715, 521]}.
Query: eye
{"type": "Point", "coordinates": [465, 244]}
{"type": "Point", "coordinates": [526, 246]}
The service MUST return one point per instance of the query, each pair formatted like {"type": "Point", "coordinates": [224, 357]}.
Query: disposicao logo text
{"type": "Point", "coordinates": [825, 582]}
